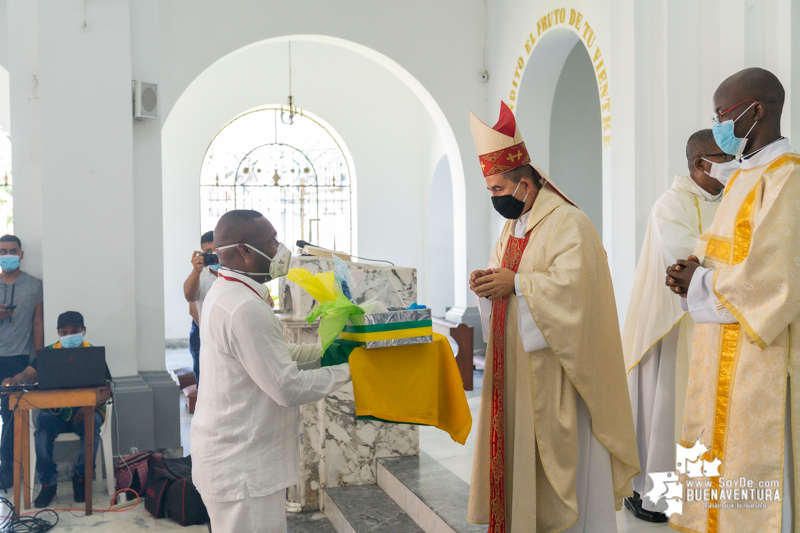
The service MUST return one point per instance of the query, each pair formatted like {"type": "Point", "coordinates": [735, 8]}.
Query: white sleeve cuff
{"type": "Point", "coordinates": [485, 309]}
{"type": "Point", "coordinates": [532, 338]}
{"type": "Point", "coordinates": [701, 302]}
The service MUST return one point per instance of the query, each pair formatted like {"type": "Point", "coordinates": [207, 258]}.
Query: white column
{"type": "Point", "coordinates": [729, 22]}
{"type": "Point", "coordinates": [780, 52]}
{"type": "Point", "coordinates": [23, 66]}
{"type": "Point", "coordinates": [147, 196]}
{"type": "Point", "coordinates": [88, 235]}
{"type": "Point", "coordinates": [620, 207]}
{"type": "Point", "coordinates": [687, 108]}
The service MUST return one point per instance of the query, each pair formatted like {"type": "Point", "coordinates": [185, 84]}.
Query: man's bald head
{"type": "Point", "coordinates": [251, 231]}
{"type": "Point", "coordinates": [700, 143]}
{"type": "Point", "coordinates": [237, 226]}
{"type": "Point", "coordinates": [756, 84]}
{"type": "Point", "coordinates": [751, 84]}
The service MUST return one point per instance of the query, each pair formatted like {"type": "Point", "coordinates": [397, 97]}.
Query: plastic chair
{"type": "Point", "coordinates": [104, 452]}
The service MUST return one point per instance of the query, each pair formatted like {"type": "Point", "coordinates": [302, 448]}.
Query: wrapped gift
{"type": "Point", "coordinates": [391, 328]}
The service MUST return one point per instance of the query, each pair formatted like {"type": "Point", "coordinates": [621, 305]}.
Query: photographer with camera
{"type": "Point", "coordinates": [204, 273]}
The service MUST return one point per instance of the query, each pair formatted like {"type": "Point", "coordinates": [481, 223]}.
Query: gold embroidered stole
{"type": "Point", "coordinates": [731, 338]}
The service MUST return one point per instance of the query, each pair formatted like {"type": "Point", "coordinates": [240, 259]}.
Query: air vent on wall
{"type": "Point", "coordinates": [145, 100]}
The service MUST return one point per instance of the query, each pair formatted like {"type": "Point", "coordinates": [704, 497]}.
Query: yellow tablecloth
{"type": "Point", "coordinates": [414, 384]}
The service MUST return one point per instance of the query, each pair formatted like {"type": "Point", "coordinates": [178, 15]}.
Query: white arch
{"type": "Point", "coordinates": [445, 130]}
{"type": "Point", "coordinates": [549, 53]}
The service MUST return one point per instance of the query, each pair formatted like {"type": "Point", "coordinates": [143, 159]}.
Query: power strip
{"type": "Point", "coordinates": [123, 505]}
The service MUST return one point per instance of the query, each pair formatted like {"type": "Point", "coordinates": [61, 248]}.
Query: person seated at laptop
{"type": "Point", "coordinates": [52, 422]}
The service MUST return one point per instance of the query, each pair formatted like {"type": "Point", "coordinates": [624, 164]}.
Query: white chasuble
{"type": "Point", "coordinates": [556, 397]}
{"type": "Point", "coordinates": [657, 333]}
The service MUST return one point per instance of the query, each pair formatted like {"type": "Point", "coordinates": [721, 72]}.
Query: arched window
{"type": "Point", "coordinates": [6, 200]}
{"type": "Point", "coordinates": [297, 175]}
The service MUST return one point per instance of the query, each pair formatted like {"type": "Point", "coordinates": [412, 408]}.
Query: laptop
{"type": "Point", "coordinates": [71, 368]}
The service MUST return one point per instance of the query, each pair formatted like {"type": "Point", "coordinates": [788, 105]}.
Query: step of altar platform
{"type": "Point", "coordinates": [365, 509]}
{"type": "Point", "coordinates": [414, 494]}
{"type": "Point", "coordinates": [433, 496]}
{"type": "Point", "coordinates": [308, 522]}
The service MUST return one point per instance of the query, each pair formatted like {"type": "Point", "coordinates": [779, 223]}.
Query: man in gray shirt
{"type": "Point", "coordinates": [21, 333]}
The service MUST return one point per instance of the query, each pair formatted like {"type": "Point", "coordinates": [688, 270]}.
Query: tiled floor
{"type": "Point", "coordinates": [435, 443]}
{"type": "Point", "coordinates": [71, 517]}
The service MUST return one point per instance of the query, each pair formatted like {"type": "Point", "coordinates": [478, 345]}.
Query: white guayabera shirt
{"type": "Point", "coordinates": [245, 430]}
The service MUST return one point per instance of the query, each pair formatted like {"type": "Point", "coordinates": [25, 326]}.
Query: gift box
{"type": "Point", "coordinates": [391, 328]}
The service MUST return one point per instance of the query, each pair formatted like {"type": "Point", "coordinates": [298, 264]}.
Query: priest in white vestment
{"type": "Point", "coordinates": [743, 292]}
{"type": "Point", "coordinates": [657, 332]}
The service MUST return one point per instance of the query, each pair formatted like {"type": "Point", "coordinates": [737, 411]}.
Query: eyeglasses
{"type": "Point", "coordinates": [716, 119]}
{"type": "Point", "coordinates": [726, 157]}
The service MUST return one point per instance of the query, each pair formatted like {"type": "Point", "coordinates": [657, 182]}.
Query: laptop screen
{"type": "Point", "coordinates": [71, 368]}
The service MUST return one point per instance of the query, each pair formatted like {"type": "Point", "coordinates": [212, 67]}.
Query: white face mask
{"type": "Point", "coordinates": [722, 171]}
{"type": "Point", "coordinates": [278, 266]}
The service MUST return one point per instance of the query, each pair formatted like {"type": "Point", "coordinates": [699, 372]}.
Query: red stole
{"type": "Point", "coordinates": [497, 493]}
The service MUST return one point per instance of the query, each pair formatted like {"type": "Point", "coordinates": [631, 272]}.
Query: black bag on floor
{"type": "Point", "coordinates": [131, 472]}
{"type": "Point", "coordinates": [156, 494]}
{"type": "Point", "coordinates": [171, 493]}
{"type": "Point", "coordinates": [183, 502]}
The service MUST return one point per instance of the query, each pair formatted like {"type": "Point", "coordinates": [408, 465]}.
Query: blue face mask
{"type": "Point", "coordinates": [9, 262]}
{"type": "Point", "coordinates": [72, 341]}
{"type": "Point", "coordinates": [214, 267]}
{"type": "Point", "coordinates": [726, 139]}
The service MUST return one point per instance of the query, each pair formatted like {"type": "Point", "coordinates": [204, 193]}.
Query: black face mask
{"type": "Point", "coordinates": [508, 206]}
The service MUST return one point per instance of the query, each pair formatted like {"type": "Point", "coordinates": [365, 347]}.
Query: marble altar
{"type": "Point", "coordinates": [336, 449]}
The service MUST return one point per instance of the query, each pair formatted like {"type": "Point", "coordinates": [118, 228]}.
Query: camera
{"type": "Point", "coordinates": [210, 258]}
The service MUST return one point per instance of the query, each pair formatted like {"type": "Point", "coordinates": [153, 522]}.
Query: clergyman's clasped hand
{"type": "Point", "coordinates": [492, 283]}
{"type": "Point", "coordinates": [680, 275]}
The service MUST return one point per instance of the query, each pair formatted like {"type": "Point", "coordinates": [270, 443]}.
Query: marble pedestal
{"type": "Point", "coordinates": [336, 449]}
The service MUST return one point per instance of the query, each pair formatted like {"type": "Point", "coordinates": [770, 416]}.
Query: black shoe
{"type": "Point", "coordinates": [6, 478]}
{"type": "Point", "coordinates": [79, 489]}
{"type": "Point", "coordinates": [45, 496]}
{"type": "Point", "coordinates": [634, 505]}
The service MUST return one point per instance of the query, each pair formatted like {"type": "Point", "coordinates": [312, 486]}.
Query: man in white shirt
{"type": "Point", "coordinates": [245, 431]}
{"type": "Point", "coordinates": [195, 288]}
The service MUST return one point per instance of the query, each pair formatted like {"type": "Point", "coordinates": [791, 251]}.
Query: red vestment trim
{"type": "Point", "coordinates": [497, 493]}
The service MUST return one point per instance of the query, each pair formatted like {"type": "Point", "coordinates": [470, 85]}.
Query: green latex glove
{"type": "Point", "coordinates": [338, 352]}
{"type": "Point", "coordinates": [333, 318]}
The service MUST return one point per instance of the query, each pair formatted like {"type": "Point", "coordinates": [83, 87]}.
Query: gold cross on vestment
{"type": "Point", "coordinates": [483, 167]}
{"type": "Point", "coordinates": [512, 157]}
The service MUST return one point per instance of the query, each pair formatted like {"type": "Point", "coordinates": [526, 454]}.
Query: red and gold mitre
{"type": "Point", "coordinates": [500, 148]}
